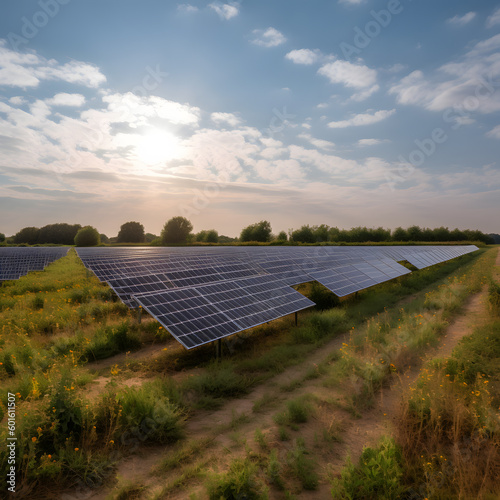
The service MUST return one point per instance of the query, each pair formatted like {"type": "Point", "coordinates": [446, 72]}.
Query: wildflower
{"type": "Point", "coordinates": [33, 438]}
{"type": "Point", "coordinates": [76, 449]}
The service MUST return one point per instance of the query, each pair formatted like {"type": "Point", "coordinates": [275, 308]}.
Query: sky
{"type": "Point", "coordinates": [340, 112]}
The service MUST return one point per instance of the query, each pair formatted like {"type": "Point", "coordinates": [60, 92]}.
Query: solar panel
{"type": "Point", "coordinates": [204, 294]}
{"type": "Point", "coordinates": [195, 316]}
{"type": "Point", "coordinates": [19, 261]}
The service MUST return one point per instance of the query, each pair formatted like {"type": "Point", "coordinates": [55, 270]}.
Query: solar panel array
{"type": "Point", "coordinates": [19, 261]}
{"type": "Point", "coordinates": [204, 294]}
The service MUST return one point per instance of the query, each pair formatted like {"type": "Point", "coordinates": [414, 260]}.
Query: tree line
{"type": "Point", "coordinates": [179, 231]}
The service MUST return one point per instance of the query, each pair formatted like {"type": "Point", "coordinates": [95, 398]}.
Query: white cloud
{"type": "Point", "coordinates": [306, 126]}
{"type": "Point", "coordinates": [363, 119]}
{"type": "Point", "coordinates": [468, 82]}
{"type": "Point", "coordinates": [187, 8]}
{"type": "Point", "coordinates": [370, 142]}
{"type": "Point", "coordinates": [280, 171]}
{"type": "Point", "coordinates": [27, 70]}
{"type": "Point", "coordinates": [303, 56]}
{"type": "Point", "coordinates": [461, 20]}
{"type": "Point", "coordinates": [352, 2]}
{"type": "Point", "coordinates": [135, 109]}
{"type": "Point", "coordinates": [349, 74]}
{"type": "Point", "coordinates": [64, 99]}
{"type": "Point", "coordinates": [270, 37]}
{"type": "Point", "coordinates": [494, 133]}
{"type": "Point", "coordinates": [17, 100]}
{"type": "Point", "coordinates": [361, 96]}
{"type": "Point", "coordinates": [229, 118]}
{"type": "Point", "coordinates": [319, 143]}
{"type": "Point", "coordinates": [494, 19]}
{"type": "Point", "coordinates": [225, 11]}
{"type": "Point", "coordinates": [397, 68]}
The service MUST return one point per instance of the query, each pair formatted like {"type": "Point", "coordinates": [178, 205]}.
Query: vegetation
{"type": "Point", "coordinates": [210, 236]}
{"type": "Point", "coordinates": [260, 231]}
{"type": "Point", "coordinates": [176, 231]}
{"type": "Point", "coordinates": [131, 232]}
{"type": "Point", "coordinates": [87, 236]}
{"type": "Point", "coordinates": [55, 323]}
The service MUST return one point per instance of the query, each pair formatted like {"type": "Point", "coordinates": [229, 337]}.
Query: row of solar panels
{"type": "Point", "coordinates": [19, 261]}
{"type": "Point", "coordinates": [204, 294]}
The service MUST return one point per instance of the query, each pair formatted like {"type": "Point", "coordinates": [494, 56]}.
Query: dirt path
{"type": "Point", "coordinates": [355, 433]}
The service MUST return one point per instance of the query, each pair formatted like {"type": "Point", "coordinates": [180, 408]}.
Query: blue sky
{"type": "Point", "coordinates": [347, 113]}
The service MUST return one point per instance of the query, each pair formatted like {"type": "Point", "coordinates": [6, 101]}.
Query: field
{"type": "Point", "coordinates": [385, 395]}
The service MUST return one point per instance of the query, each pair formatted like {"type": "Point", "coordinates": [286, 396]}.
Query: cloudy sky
{"type": "Point", "coordinates": [343, 112]}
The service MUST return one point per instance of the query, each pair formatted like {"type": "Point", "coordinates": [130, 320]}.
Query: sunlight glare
{"type": "Point", "coordinates": [158, 146]}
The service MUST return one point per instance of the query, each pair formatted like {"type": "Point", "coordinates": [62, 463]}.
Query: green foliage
{"type": "Point", "coordinates": [282, 236]}
{"type": "Point", "coordinates": [322, 297]}
{"type": "Point", "coordinates": [87, 236]}
{"type": "Point", "coordinates": [274, 470]}
{"type": "Point", "coordinates": [2, 237]}
{"type": "Point", "coordinates": [219, 381]}
{"type": "Point", "coordinates": [110, 340]}
{"type": "Point", "coordinates": [494, 298]}
{"type": "Point", "coordinates": [176, 231]}
{"type": "Point", "coordinates": [58, 234]}
{"type": "Point", "coordinates": [303, 465]}
{"type": "Point", "coordinates": [240, 482]}
{"type": "Point", "coordinates": [260, 231]}
{"type": "Point", "coordinates": [303, 235]}
{"type": "Point", "coordinates": [28, 235]}
{"type": "Point", "coordinates": [149, 412]}
{"type": "Point", "coordinates": [131, 232]}
{"type": "Point", "coordinates": [377, 475]}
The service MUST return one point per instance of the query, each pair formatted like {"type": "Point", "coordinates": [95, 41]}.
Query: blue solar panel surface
{"type": "Point", "coordinates": [19, 261]}
{"type": "Point", "coordinates": [204, 294]}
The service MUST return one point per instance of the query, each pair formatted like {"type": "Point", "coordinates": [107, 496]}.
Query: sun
{"type": "Point", "coordinates": [158, 146]}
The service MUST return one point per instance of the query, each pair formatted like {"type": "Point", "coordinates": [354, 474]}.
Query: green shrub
{"type": "Point", "coordinates": [322, 297]}
{"type": "Point", "coordinates": [87, 236]}
{"type": "Point", "coordinates": [240, 482]}
{"type": "Point", "coordinates": [303, 466]}
{"type": "Point", "coordinates": [377, 475]}
{"type": "Point", "coordinates": [108, 341]}
{"type": "Point", "coordinates": [147, 411]}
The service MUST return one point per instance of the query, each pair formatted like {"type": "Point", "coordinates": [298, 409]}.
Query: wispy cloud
{"type": "Point", "coordinates": [270, 37]}
{"type": "Point", "coordinates": [229, 118]}
{"type": "Point", "coordinates": [494, 133]}
{"type": "Point", "coordinates": [64, 99]}
{"type": "Point", "coordinates": [304, 56]}
{"type": "Point", "coordinates": [226, 10]}
{"type": "Point", "coordinates": [319, 143]}
{"type": "Point", "coordinates": [456, 82]}
{"type": "Point", "coordinates": [349, 74]}
{"type": "Point", "coordinates": [365, 94]}
{"type": "Point", "coordinates": [363, 119]}
{"type": "Point", "coordinates": [494, 19]}
{"type": "Point", "coordinates": [29, 69]}
{"type": "Point", "coordinates": [461, 20]}
{"type": "Point", "coordinates": [370, 142]}
{"type": "Point", "coordinates": [352, 2]}
{"type": "Point", "coordinates": [187, 8]}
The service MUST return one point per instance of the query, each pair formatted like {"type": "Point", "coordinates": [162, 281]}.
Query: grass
{"type": "Point", "coordinates": [55, 323]}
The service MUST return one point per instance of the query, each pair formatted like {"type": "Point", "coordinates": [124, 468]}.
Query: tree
{"type": "Point", "coordinates": [212, 236]}
{"type": "Point", "coordinates": [260, 231]}
{"type": "Point", "coordinates": [103, 238]}
{"type": "Point", "coordinates": [176, 231]}
{"type": "Point", "coordinates": [87, 236]}
{"type": "Point", "coordinates": [149, 237]}
{"type": "Point", "coordinates": [2, 237]}
{"type": "Point", "coordinates": [399, 234]}
{"type": "Point", "coordinates": [27, 235]}
{"type": "Point", "coordinates": [131, 232]}
{"type": "Point", "coordinates": [304, 235]}
{"type": "Point", "coordinates": [58, 234]}
{"type": "Point", "coordinates": [282, 236]}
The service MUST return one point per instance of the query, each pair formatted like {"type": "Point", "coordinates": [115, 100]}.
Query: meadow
{"type": "Point", "coordinates": [94, 388]}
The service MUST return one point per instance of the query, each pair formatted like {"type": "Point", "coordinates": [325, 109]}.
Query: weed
{"type": "Point", "coordinates": [303, 466]}
{"type": "Point", "coordinates": [377, 475]}
{"type": "Point", "coordinates": [239, 482]}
